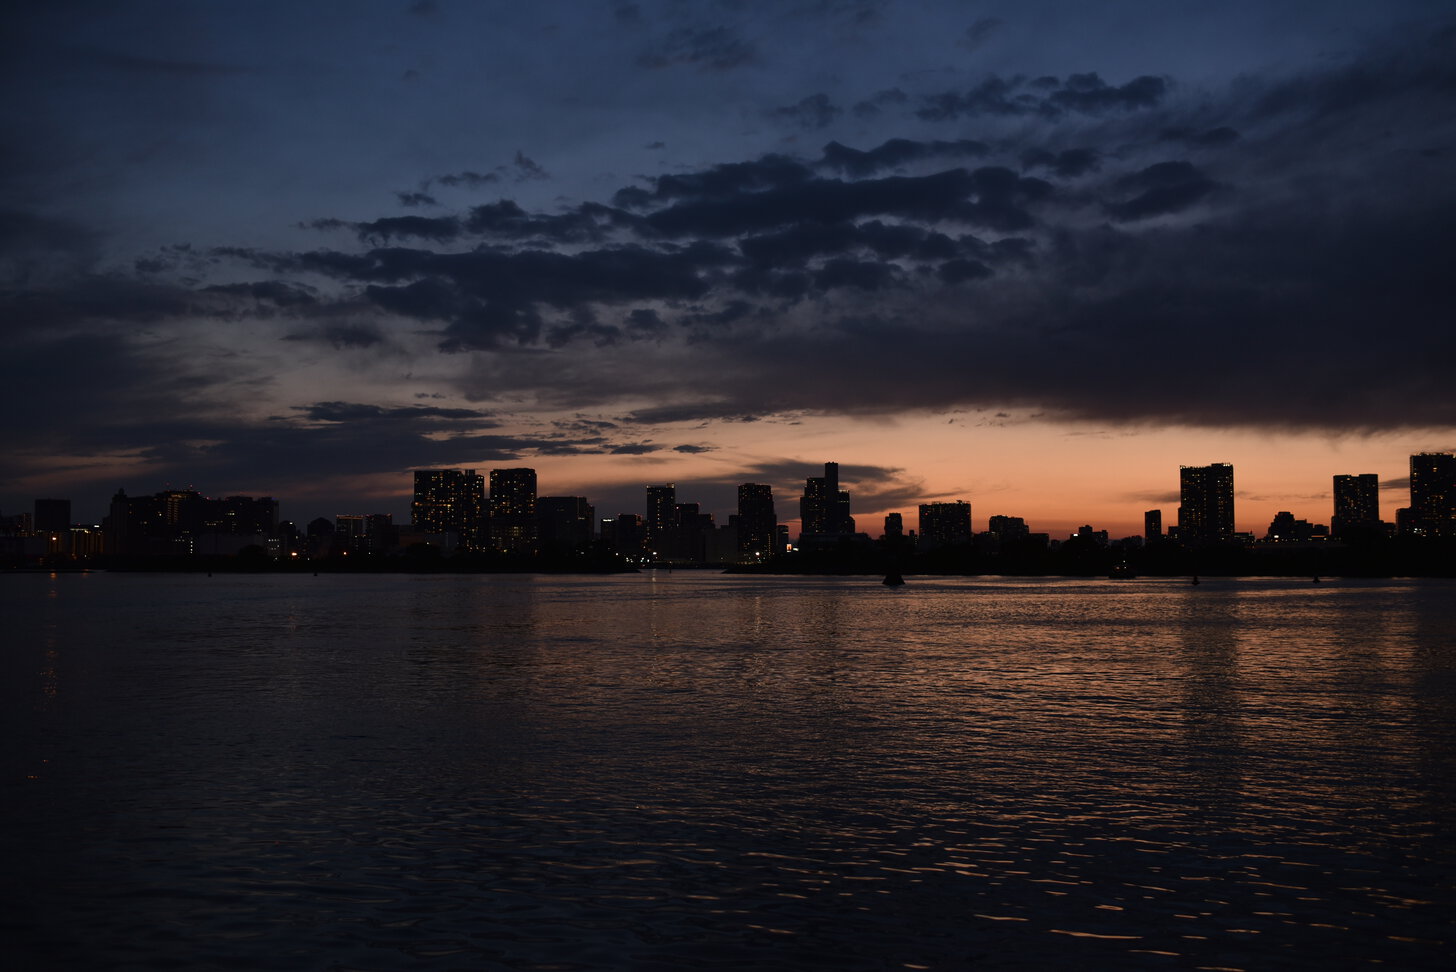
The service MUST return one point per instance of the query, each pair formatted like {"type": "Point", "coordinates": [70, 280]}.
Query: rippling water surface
{"type": "Point", "coordinates": [687, 769]}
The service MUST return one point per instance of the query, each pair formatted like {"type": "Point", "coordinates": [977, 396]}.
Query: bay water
{"type": "Point", "coordinates": [688, 769]}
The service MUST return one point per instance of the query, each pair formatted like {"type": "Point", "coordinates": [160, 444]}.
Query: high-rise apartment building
{"type": "Point", "coordinates": [944, 524]}
{"type": "Point", "coordinates": [757, 521]}
{"type": "Point", "coordinates": [1153, 525]}
{"type": "Point", "coordinates": [1433, 494]}
{"type": "Point", "coordinates": [661, 519]}
{"type": "Point", "coordinates": [513, 510]}
{"type": "Point", "coordinates": [1206, 503]}
{"type": "Point", "coordinates": [450, 501]}
{"type": "Point", "coordinates": [1357, 505]}
{"type": "Point", "coordinates": [824, 508]}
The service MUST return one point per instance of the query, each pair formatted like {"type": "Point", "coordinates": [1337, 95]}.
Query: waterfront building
{"type": "Point", "coordinates": [757, 521]}
{"type": "Point", "coordinates": [627, 535]}
{"type": "Point", "coordinates": [1357, 505]}
{"type": "Point", "coordinates": [1206, 503]}
{"type": "Point", "coordinates": [824, 508]}
{"type": "Point", "coordinates": [690, 535]}
{"type": "Point", "coordinates": [564, 523]}
{"type": "Point", "coordinates": [1153, 525]}
{"type": "Point", "coordinates": [1008, 528]}
{"type": "Point", "coordinates": [944, 524]}
{"type": "Point", "coordinates": [513, 510]}
{"type": "Point", "coordinates": [661, 518]}
{"type": "Point", "coordinates": [52, 516]}
{"type": "Point", "coordinates": [1432, 494]}
{"type": "Point", "coordinates": [449, 501]}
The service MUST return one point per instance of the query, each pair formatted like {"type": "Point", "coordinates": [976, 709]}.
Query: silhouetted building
{"type": "Point", "coordinates": [1206, 508]}
{"type": "Point", "coordinates": [824, 509]}
{"type": "Point", "coordinates": [319, 537]}
{"type": "Point", "coordinates": [627, 535]}
{"type": "Point", "coordinates": [689, 535]}
{"type": "Point", "coordinates": [183, 522]}
{"type": "Point", "coordinates": [513, 510]}
{"type": "Point", "coordinates": [661, 519]}
{"type": "Point", "coordinates": [1284, 528]}
{"type": "Point", "coordinates": [237, 515]}
{"type": "Point", "coordinates": [449, 501]}
{"type": "Point", "coordinates": [723, 545]}
{"type": "Point", "coordinates": [363, 534]}
{"type": "Point", "coordinates": [1433, 494]}
{"type": "Point", "coordinates": [1008, 528]}
{"type": "Point", "coordinates": [944, 524]}
{"type": "Point", "coordinates": [894, 526]}
{"type": "Point", "coordinates": [757, 521]}
{"type": "Point", "coordinates": [1153, 525]}
{"type": "Point", "coordinates": [1357, 505]}
{"type": "Point", "coordinates": [564, 523]}
{"type": "Point", "coordinates": [52, 516]}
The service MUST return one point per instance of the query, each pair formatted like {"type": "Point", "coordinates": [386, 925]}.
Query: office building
{"type": "Point", "coordinates": [1206, 504]}
{"type": "Point", "coordinates": [1357, 505]}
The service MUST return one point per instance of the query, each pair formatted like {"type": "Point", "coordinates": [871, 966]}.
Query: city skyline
{"type": "Point", "coordinates": [1204, 510]}
{"type": "Point", "coordinates": [1029, 255]}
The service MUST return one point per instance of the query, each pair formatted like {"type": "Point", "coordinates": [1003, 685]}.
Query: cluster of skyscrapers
{"type": "Point", "coordinates": [501, 514]}
{"type": "Point", "coordinates": [510, 519]}
{"type": "Point", "coordinates": [1206, 506]}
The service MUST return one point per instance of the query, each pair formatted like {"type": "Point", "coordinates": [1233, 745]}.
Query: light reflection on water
{"type": "Point", "coordinates": [644, 771]}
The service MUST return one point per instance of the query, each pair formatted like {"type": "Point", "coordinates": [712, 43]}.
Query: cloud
{"type": "Point", "coordinates": [1264, 255]}
{"type": "Point", "coordinates": [341, 337]}
{"type": "Point", "coordinates": [355, 412]}
{"type": "Point", "coordinates": [992, 196]}
{"type": "Point", "coordinates": [1066, 164]}
{"type": "Point", "coordinates": [527, 169]}
{"type": "Point", "coordinates": [979, 33]}
{"type": "Point", "coordinates": [874, 106]}
{"type": "Point", "coordinates": [1049, 97]}
{"type": "Point", "coordinates": [813, 112]}
{"type": "Point", "coordinates": [468, 179]}
{"type": "Point", "coordinates": [707, 48]}
{"type": "Point", "coordinates": [1162, 188]}
{"type": "Point", "coordinates": [416, 199]}
{"type": "Point", "coordinates": [895, 153]}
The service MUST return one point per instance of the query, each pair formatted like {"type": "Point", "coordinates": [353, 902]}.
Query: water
{"type": "Point", "coordinates": [665, 770]}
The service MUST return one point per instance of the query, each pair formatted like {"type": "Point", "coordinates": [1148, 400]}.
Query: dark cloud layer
{"type": "Point", "coordinates": [1266, 253]}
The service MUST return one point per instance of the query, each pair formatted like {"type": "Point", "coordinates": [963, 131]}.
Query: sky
{"type": "Point", "coordinates": [1032, 255]}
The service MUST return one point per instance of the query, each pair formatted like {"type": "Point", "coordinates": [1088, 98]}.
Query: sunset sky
{"type": "Point", "coordinates": [1033, 255]}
